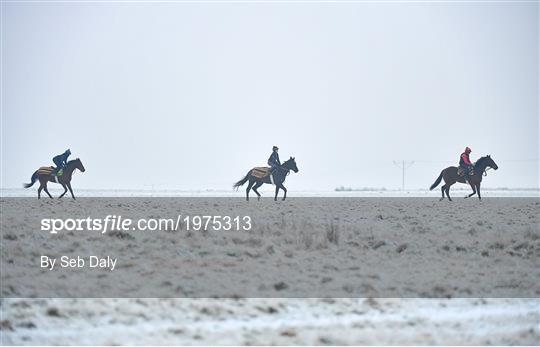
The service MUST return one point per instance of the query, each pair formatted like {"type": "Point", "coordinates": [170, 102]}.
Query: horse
{"type": "Point", "coordinates": [44, 176]}
{"type": "Point", "coordinates": [450, 175]}
{"type": "Point", "coordinates": [279, 175]}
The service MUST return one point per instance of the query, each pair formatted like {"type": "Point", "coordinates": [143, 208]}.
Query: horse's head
{"type": "Point", "coordinates": [79, 165]}
{"type": "Point", "coordinates": [487, 161]}
{"type": "Point", "coordinates": [491, 163]}
{"type": "Point", "coordinates": [291, 165]}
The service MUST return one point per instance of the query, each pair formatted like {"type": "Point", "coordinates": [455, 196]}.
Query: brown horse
{"type": "Point", "coordinates": [278, 177]}
{"type": "Point", "coordinates": [64, 179]}
{"type": "Point", "coordinates": [450, 175]}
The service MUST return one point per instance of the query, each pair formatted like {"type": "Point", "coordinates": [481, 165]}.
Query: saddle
{"type": "Point", "coordinates": [260, 172]}
{"type": "Point", "coordinates": [461, 171]}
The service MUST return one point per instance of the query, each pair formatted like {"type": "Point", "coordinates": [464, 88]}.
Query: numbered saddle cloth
{"type": "Point", "coordinates": [48, 170]}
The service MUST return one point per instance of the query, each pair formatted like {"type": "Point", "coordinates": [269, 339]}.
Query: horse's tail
{"type": "Point", "coordinates": [242, 181]}
{"type": "Point", "coordinates": [437, 181]}
{"type": "Point", "coordinates": [32, 180]}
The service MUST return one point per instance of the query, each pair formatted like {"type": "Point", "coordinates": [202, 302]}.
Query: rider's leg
{"type": "Point", "coordinates": [58, 163]}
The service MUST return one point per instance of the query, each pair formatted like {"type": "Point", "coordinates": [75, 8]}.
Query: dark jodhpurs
{"type": "Point", "coordinates": [466, 171]}
{"type": "Point", "coordinates": [58, 162]}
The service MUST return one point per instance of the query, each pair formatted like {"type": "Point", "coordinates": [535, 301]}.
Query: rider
{"type": "Point", "coordinates": [273, 161]}
{"type": "Point", "coordinates": [60, 160]}
{"type": "Point", "coordinates": [465, 163]}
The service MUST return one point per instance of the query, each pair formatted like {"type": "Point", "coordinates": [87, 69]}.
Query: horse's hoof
{"type": "Point", "coordinates": [283, 199]}
{"type": "Point", "coordinates": [441, 199]}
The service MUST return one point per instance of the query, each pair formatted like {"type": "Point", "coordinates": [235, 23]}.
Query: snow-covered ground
{"type": "Point", "coordinates": [270, 321]}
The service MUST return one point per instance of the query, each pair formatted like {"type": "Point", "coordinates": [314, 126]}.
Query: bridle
{"type": "Point", "coordinates": [485, 169]}
{"type": "Point", "coordinates": [286, 169]}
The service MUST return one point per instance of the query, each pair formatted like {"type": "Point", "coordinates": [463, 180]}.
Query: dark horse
{"type": "Point", "coordinates": [279, 176]}
{"type": "Point", "coordinates": [64, 179]}
{"type": "Point", "coordinates": [450, 175]}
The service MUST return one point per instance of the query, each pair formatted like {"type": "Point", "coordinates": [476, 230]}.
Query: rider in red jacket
{"type": "Point", "coordinates": [465, 162]}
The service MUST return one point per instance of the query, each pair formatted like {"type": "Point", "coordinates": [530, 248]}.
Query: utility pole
{"type": "Point", "coordinates": [404, 165]}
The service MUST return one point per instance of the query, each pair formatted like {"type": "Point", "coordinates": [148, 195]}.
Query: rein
{"type": "Point", "coordinates": [75, 169]}
{"type": "Point", "coordinates": [286, 169]}
{"type": "Point", "coordinates": [484, 173]}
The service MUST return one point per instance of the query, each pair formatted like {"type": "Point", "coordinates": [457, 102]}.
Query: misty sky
{"type": "Point", "coordinates": [191, 96]}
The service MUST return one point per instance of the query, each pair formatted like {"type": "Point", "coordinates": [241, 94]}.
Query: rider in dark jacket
{"type": "Point", "coordinates": [465, 163]}
{"type": "Point", "coordinates": [60, 160]}
{"type": "Point", "coordinates": [273, 161]}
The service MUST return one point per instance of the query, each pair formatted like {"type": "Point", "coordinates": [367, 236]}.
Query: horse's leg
{"type": "Point", "coordinates": [447, 190]}
{"type": "Point", "coordinates": [442, 192]}
{"type": "Point", "coordinates": [473, 192]}
{"type": "Point", "coordinates": [250, 184]}
{"type": "Point", "coordinates": [68, 184]}
{"type": "Point", "coordinates": [257, 185]}
{"type": "Point", "coordinates": [41, 185]}
{"type": "Point", "coordinates": [284, 190]}
{"type": "Point", "coordinates": [277, 191]}
{"type": "Point", "coordinates": [65, 191]}
{"type": "Point", "coordinates": [478, 190]}
{"type": "Point", "coordinates": [47, 191]}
